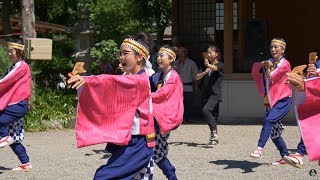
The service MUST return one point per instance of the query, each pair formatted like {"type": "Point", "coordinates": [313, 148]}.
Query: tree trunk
{"type": "Point", "coordinates": [160, 32]}
{"type": "Point", "coordinates": [28, 19]}
{"type": "Point", "coordinates": [6, 25]}
{"type": "Point", "coordinates": [29, 28]}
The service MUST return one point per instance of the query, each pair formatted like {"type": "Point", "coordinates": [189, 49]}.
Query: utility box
{"type": "Point", "coordinates": [38, 48]}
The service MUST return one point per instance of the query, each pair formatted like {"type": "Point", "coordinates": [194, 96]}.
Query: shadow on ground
{"type": "Point", "coordinates": [246, 166]}
{"type": "Point", "coordinates": [292, 150]}
{"type": "Point", "coordinates": [198, 119]}
{"type": "Point", "coordinates": [105, 152]}
{"type": "Point", "coordinates": [187, 143]}
{"type": "Point", "coordinates": [3, 169]}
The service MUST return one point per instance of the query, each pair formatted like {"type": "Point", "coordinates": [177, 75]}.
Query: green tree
{"type": "Point", "coordinates": [63, 12]}
{"type": "Point", "coordinates": [114, 19]}
{"type": "Point", "coordinates": [4, 60]}
{"type": "Point", "coordinates": [104, 52]}
{"type": "Point", "coordinates": [47, 72]}
{"type": "Point", "coordinates": [154, 12]}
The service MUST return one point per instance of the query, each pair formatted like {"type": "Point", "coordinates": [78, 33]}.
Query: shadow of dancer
{"type": "Point", "coordinates": [246, 166]}
{"type": "Point", "coordinates": [3, 169]}
{"type": "Point", "coordinates": [187, 143]}
{"type": "Point", "coordinates": [105, 152]}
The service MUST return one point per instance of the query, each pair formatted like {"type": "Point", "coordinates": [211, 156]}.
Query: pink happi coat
{"type": "Point", "coordinates": [277, 88]}
{"type": "Point", "coordinates": [168, 103]}
{"type": "Point", "coordinates": [16, 85]}
{"type": "Point", "coordinates": [107, 106]}
{"type": "Point", "coordinates": [308, 117]}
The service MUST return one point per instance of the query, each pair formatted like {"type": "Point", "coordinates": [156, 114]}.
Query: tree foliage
{"type": "Point", "coordinates": [113, 19]}
{"type": "Point", "coordinates": [105, 50]}
{"type": "Point", "coordinates": [46, 73]}
{"type": "Point", "coordinates": [64, 12]}
{"type": "Point", "coordinates": [4, 61]}
{"type": "Point", "coordinates": [154, 12]}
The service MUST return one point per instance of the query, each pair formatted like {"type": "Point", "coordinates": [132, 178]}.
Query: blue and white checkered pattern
{"type": "Point", "coordinates": [161, 149]}
{"type": "Point", "coordinates": [16, 131]}
{"type": "Point", "coordinates": [277, 129]}
{"type": "Point", "coordinates": [147, 172]}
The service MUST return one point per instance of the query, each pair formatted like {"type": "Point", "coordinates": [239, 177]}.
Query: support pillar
{"type": "Point", "coordinates": [228, 36]}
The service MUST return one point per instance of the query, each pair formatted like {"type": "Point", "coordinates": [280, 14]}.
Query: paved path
{"type": "Point", "coordinates": [54, 156]}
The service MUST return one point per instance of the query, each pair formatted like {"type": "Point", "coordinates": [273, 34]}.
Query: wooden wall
{"type": "Point", "coordinates": [295, 21]}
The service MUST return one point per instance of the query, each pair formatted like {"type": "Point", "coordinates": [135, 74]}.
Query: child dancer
{"type": "Point", "coordinates": [296, 159]}
{"type": "Point", "coordinates": [270, 77]}
{"type": "Point", "coordinates": [15, 90]}
{"type": "Point", "coordinates": [212, 91]}
{"type": "Point", "coordinates": [308, 114]}
{"type": "Point", "coordinates": [168, 108]}
{"type": "Point", "coordinates": [133, 160]}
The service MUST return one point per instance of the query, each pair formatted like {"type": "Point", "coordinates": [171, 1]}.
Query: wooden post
{"type": "Point", "coordinates": [228, 37]}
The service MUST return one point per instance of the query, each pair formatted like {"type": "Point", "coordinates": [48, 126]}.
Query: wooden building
{"type": "Point", "coordinates": [243, 30]}
{"type": "Point", "coordinates": [42, 28]}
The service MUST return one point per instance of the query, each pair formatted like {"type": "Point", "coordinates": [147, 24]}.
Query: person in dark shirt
{"type": "Point", "coordinates": [212, 91]}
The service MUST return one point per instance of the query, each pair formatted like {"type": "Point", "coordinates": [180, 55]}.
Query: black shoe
{"type": "Point", "coordinates": [211, 144]}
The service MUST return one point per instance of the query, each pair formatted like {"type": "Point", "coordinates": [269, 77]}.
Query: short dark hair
{"type": "Point", "coordinates": [216, 49]}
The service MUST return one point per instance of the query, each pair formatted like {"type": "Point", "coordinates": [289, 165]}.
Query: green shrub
{"type": "Point", "coordinates": [104, 52]}
{"type": "Point", "coordinates": [4, 60]}
{"type": "Point", "coordinates": [48, 103]}
{"type": "Point", "coordinates": [51, 104]}
{"type": "Point", "coordinates": [46, 73]}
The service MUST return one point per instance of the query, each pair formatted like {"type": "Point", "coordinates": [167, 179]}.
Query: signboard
{"type": "Point", "coordinates": [38, 48]}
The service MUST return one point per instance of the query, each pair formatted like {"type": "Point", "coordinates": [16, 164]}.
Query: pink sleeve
{"type": "Point", "coordinates": [11, 79]}
{"type": "Point", "coordinates": [162, 93]}
{"type": "Point", "coordinates": [313, 91]}
{"type": "Point", "coordinates": [308, 118]}
{"type": "Point", "coordinates": [280, 72]}
{"type": "Point", "coordinates": [101, 106]}
{"type": "Point", "coordinates": [168, 104]}
{"type": "Point", "coordinates": [258, 77]}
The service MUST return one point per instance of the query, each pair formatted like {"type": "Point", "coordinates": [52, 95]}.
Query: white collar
{"type": "Point", "coordinates": [166, 78]}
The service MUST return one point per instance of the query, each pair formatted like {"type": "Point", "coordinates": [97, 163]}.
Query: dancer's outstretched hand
{"type": "Point", "coordinates": [76, 81]}
{"type": "Point", "coordinates": [296, 80]}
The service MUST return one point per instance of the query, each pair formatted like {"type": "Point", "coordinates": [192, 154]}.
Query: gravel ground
{"type": "Point", "coordinates": [54, 156]}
